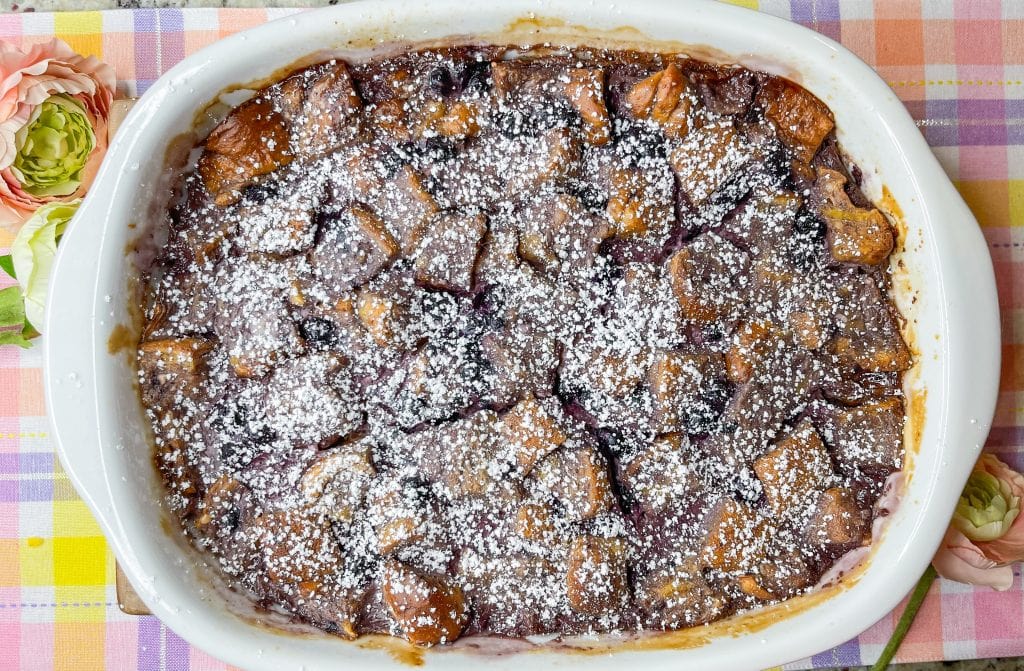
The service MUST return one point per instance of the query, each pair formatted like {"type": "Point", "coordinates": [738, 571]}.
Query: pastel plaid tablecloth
{"type": "Point", "coordinates": [957, 64]}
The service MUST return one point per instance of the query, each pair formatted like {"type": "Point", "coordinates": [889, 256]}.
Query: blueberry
{"type": "Point", "coordinates": [777, 162]}
{"type": "Point", "coordinates": [729, 195]}
{"type": "Point", "coordinates": [476, 77]}
{"type": "Point", "coordinates": [319, 332]}
{"type": "Point", "coordinates": [254, 194]}
{"type": "Point", "coordinates": [712, 332]}
{"type": "Point", "coordinates": [392, 158]}
{"type": "Point", "coordinates": [232, 519]}
{"type": "Point", "coordinates": [440, 82]}
{"type": "Point", "coordinates": [637, 143]}
{"type": "Point", "coordinates": [431, 150]}
{"type": "Point", "coordinates": [809, 224]}
{"type": "Point", "coordinates": [702, 416]}
{"type": "Point", "coordinates": [591, 197]}
{"type": "Point", "coordinates": [804, 253]}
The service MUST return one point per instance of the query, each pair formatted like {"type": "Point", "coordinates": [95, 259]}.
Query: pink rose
{"type": "Point", "coordinates": [54, 106]}
{"type": "Point", "coordinates": [987, 533]}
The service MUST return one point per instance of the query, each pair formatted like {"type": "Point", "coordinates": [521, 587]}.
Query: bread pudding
{"type": "Point", "coordinates": [491, 341]}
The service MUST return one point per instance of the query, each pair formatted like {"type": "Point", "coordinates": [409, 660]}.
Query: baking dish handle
{"type": "Point", "coordinates": [74, 322]}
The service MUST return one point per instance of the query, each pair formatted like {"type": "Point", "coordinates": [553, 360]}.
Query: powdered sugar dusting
{"type": "Point", "coordinates": [521, 343]}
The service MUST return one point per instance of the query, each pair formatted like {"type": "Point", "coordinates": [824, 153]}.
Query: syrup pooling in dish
{"type": "Point", "coordinates": [485, 341]}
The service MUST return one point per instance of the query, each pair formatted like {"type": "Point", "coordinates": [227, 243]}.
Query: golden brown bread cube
{"type": "Point", "coordinates": [702, 275]}
{"type": "Point", "coordinates": [855, 234]}
{"type": "Point", "coordinates": [596, 578]}
{"type": "Point", "coordinates": [391, 117]}
{"type": "Point", "coordinates": [171, 366]}
{"type": "Point", "coordinates": [532, 427]}
{"type": "Point", "coordinates": [612, 372]}
{"type": "Point", "coordinates": [553, 157]}
{"type": "Point", "coordinates": [299, 551]}
{"type": "Point", "coordinates": [428, 609]}
{"type": "Point", "coordinates": [801, 120]}
{"type": "Point", "coordinates": [867, 333]}
{"type": "Point", "coordinates": [867, 436]}
{"type": "Point", "coordinates": [400, 516]}
{"type": "Point", "coordinates": [784, 574]}
{"type": "Point", "coordinates": [636, 205]}
{"type": "Point", "coordinates": [795, 469]}
{"type": "Point", "coordinates": [305, 407]}
{"type": "Point", "coordinates": [466, 458]}
{"type": "Point", "coordinates": [381, 315]}
{"type": "Point", "coordinates": [407, 121]}
{"type": "Point", "coordinates": [659, 97]}
{"type": "Point", "coordinates": [808, 328]}
{"type": "Point", "coordinates": [706, 159]}
{"type": "Point", "coordinates": [278, 226]}
{"type": "Point", "coordinates": [752, 342]}
{"type": "Point", "coordinates": [682, 386]}
{"type": "Point", "coordinates": [557, 233]}
{"type": "Point", "coordinates": [749, 585]}
{"type": "Point", "coordinates": [338, 481]}
{"type": "Point", "coordinates": [661, 476]}
{"type": "Point", "coordinates": [218, 513]}
{"type": "Point", "coordinates": [680, 595]}
{"type": "Point", "coordinates": [252, 141]}
{"type": "Point", "coordinates": [174, 356]}
{"type": "Point", "coordinates": [326, 114]}
{"type": "Point", "coordinates": [301, 560]}
{"type": "Point", "coordinates": [534, 521]}
{"type": "Point", "coordinates": [578, 479]}
{"type": "Point", "coordinates": [585, 90]}
{"type": "Point", "coordinates": [406, 208]}
{"type": "Point", "coordinates": [735, 537]}
{"type": "Point", "coordinates": [837, 519]}
{"type": "Point", "coordinates": [352, 247]}
{"type": "Point", "coordinates": [894, 356]}
{"type": "Point", "coordinates": [375, 230]}
{"type": "Point", "coordinates": [447, 257]}
{"type": "Point", "coordinates": [858, 235]}
{"type": "Point", "coordinates": [459, 121]}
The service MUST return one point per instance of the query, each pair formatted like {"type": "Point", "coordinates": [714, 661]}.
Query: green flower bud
{"type": "Point", "coordinates": [987, 507]}
{"type": "Point", "coordinates": [54, 147]}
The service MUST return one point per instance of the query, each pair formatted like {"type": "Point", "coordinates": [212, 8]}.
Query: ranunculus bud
{"type": "Point", "coordinates": [54, 147]}
{"type": "Point", "coordinates": [987, 507]}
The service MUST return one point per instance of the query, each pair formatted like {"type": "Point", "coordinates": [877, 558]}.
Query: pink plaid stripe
{"type": "Point", "coordinates": [958, 66]}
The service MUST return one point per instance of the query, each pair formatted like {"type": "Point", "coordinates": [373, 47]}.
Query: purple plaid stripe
{"type": "Point", "coordinates": [847, 654]}
{"type": "Point", "coordinates": [27, 476]}
{"type": "Point", "coordinates": [821, 15]}
{"type": "Point", "coordinates": [159, 43]}
{"type": "Point", "coordinates": [149, 653]}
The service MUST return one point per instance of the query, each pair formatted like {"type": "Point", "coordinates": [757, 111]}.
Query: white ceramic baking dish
{"type": "Point", "coordinates": [944, 283]}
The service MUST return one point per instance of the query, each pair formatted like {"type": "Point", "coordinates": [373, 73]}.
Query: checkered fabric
{"type": "Point", "coordinates": [957, 64]}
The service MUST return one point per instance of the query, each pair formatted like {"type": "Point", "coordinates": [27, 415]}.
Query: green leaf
{"type": "Point", "coordinates": [13, 338]}
{"type": "Point", "coordinates": [907, 619]}
{"type": "Point", "coordinates": [12, 307]}
{"type": "Point", "coordinates": [7, 265]}
{"type": "Point", "coordinates": [29, 331]}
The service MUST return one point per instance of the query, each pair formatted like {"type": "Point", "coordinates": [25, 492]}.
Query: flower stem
{"type": "Point", "coordinates": [907, 619]}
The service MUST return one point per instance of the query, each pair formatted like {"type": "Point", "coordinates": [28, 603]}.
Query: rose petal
{"type": "Point", "coordinates": [960, 560]}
